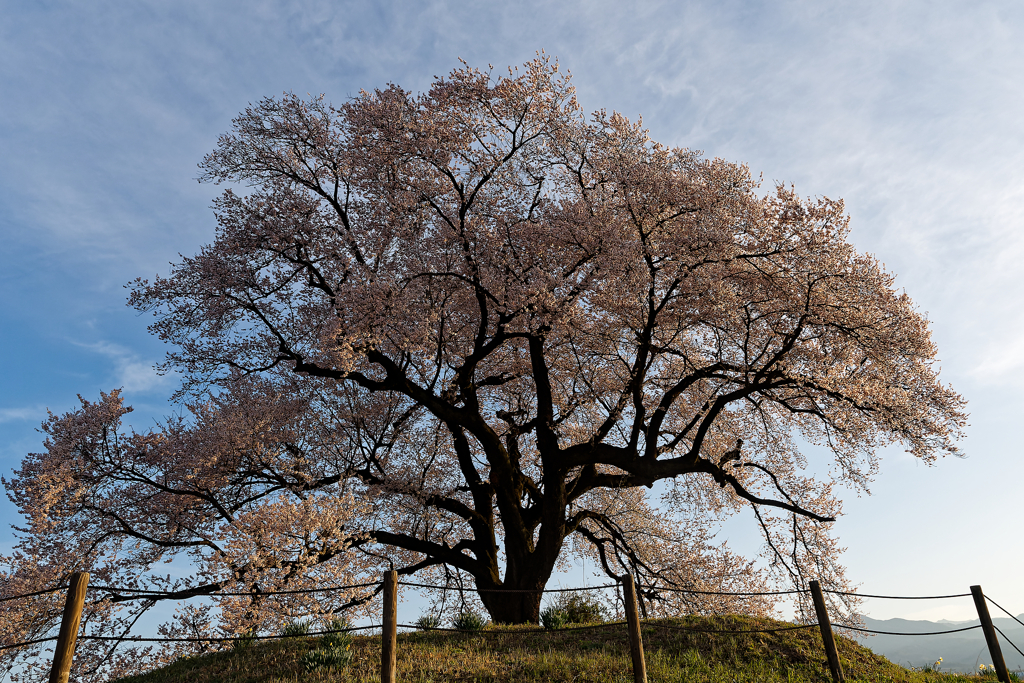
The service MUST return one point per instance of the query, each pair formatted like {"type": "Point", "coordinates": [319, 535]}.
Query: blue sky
{"type": "Point", "coordinates": [910, 111]}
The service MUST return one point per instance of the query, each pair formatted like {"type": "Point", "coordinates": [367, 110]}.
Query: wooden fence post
{"type": "Point", "coordinates": [388, 636]}
{"type": "Point", "coordinates": [826, 633]}
{"type": "Point", "coordinates": [636, 643]}
{"type": "Point", "coordinates": [68, 636]}
{"type": "Point", "coordinates": [990, 634]}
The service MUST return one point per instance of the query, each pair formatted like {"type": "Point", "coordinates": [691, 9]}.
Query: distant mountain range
{"type": "Point", "coordinates": [959, 651]}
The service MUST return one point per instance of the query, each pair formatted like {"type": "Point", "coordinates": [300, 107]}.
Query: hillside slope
{"type": "Point", "coordinates": [595, 655]}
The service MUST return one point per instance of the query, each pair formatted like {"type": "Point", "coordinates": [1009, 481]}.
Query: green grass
{"type": "Point", "coordinates": [593, 656]}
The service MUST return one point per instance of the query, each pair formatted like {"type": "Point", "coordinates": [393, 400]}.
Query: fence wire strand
{"type": "Point", "coordinates": [27, 642]}
{"type": "Point", "coordinates": [141, 639]}
{"type": "Point", "coordinates": [508, 590]}
{"type": "Point", "coordinates": [593, 588]}
{"type": "Point", "coordinates": [795, 627]}
{"type": "Point", "coordinates": [498, 632]}
{"type": "Point", "coordinates": [146, 592]}
{"type": "Point", "coordinates": [1004, 610]}
{"type": "Point", "coordinates": [897, 597]}
{"type": "Point", "coordinates": [33, 594]}
{"type": "Point", "coordinates": [894, 633]}
{"type": "Point", "coordinates": [222, 639]}
{"type": "Point", "coordinates": [671, 589]}
{"type": "Point", "coordinates": [1007, 639]}
{"type": "Point", "coordinates": [696, 592]}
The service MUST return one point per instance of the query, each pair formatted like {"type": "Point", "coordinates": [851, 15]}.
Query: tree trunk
{"type": "Point", "coordinates": [513, 608]}
{"type": "Point", "coordinates": [517, 599]}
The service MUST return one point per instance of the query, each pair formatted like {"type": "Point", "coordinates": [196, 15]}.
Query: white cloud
{"type": "Point", "coordinates": [131, 372]}
{"type": "Point", "coordinates": [1001, 360]}
{"type": "Point", "coordinates": [25, 413]}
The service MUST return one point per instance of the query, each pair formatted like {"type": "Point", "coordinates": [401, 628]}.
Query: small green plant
{"type": "Point", "coordinates": [427, 622]}
{"type": "Point", "coordinates": [573, 608]}
{"type": "Point", "coordinates": [553, 618]}
{"type": "Point", "coordinates": [989, 671]}
{"type": "Point", "coordinates": [327, 658]}
{"type": "Point", "coordinates": [469, 621]}
{"type": "Point", "coordinates": [244, 641]}
{"type": "Point", "coordinates": [342, 638]}
{"type": "Point", "coordinates": [335, 648]}
{"type": "Point", "coordinates": [297, 628]}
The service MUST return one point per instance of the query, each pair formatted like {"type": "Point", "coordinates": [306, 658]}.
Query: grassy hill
{"type": "Point", "coordinates": [599, 655]}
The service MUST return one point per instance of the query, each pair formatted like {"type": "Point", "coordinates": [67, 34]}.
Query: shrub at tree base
{"type": "Point", "coordinates": [327, 658]}
{"type": "Point", "coordinates": [297, 628]}
{"type": "Point", "coordinates": [334, 650]}
{"type": "Point", "coordinates": [572, 608]}
{"type": "Point", "coordinates": [552, 618]}
{"type": "Point", "coordinates": [341, 638]}
{"type": "Point", "coordinates": [244, 641]}
{"type": "Point", "coordinates": [427, 622]}
{"type": "Point", "coordinates": [469, 621]}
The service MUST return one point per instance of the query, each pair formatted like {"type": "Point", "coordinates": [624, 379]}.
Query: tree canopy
{"type": "Point", "coordinates": [472, 332]}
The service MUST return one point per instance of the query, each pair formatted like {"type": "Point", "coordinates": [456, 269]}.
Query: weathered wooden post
{"type": "Point", "coordinates": [825, 624]}
{"type": "Point", "coordinates": [388, 636]}
{"type": "Point", "coordinates": [64, 653]}
{"type": "Point", "coordinates": [636, 643]}
{"type": "Point", "coordinates": [990, 634]}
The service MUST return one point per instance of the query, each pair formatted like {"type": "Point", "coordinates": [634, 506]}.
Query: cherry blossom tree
{"type": "Point", "coordinates": [473, 332]}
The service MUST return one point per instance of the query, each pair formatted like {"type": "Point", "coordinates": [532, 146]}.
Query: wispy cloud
{"type": "Point", "coordinates": [1001, 360]}
{"type": "Point", "coordinates": [131, 372]}
{"type": "Point", "coordinates": [24, 413]}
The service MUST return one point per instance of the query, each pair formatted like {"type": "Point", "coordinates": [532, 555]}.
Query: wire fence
{"type": "Point", "coordinates": [660, 624]}
{"type": "Point", "coordinates": [369, 584]}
